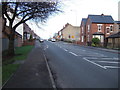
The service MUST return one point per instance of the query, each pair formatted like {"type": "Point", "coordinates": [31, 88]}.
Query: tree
{"type": "Point", "coordinates": [95, 42]}
{"type": "Point", "coordinates": [38, 11]}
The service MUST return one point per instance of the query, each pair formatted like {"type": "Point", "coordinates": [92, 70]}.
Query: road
{"type": "Point", "coordinates": [77, 66]}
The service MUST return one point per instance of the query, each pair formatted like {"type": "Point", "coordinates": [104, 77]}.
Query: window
{"type": "Point", "coordinates": [111, 28]}
{"type": "Point", "coordinates": [99, 27]}
{"type": "Point", "coordinates": [107, 30]}
{"type": "Point", "coordinates": [88, 28]}
{"type": "Point", "coordinates": [82, 39]}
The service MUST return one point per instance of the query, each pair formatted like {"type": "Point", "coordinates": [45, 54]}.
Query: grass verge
{"type": "Point", "coordinates": [8, 68]}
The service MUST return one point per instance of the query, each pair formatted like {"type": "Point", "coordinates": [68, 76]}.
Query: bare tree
{"type": "Point", "coordinates": [38, 11]}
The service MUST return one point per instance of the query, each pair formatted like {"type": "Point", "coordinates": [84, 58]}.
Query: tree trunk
{"type": "Point", "coordinates": [11, 47]}
{"type": "Point", "coordinates": [11, 43]}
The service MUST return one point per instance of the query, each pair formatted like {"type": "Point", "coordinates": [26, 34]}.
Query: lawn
{"type": "Point", "coordinates": [8, 67]}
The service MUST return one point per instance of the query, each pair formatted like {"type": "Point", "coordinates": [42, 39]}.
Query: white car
{"type": "Point", "coordinates": [53, 40]}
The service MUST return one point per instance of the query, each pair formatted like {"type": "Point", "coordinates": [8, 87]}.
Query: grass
{"type": "Point", "coordinates": [8, 70]}
{"type": "Point", "coordinates": [8, 67]}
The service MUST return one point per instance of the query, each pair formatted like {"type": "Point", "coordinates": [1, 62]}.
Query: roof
{"type": "Point", "coordinates": [118, 22]}
{"type": "Point", "coordinates": [18, 34]}
{"type": "Point", "coordinates": [101, 19]}
{"type": "Point", "coordinates": [84, 20]}
{"type": "Point", "coordinates": [98, 33]}
{"type": "Point", "coordinates": [117, 35]}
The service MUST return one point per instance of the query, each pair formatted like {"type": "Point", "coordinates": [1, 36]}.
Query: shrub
{"type": "Point", "coordinates": [95, 42]}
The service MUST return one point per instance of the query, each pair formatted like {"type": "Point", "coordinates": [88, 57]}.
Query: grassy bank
{"type": "Point", "coordinates": [8, 68]}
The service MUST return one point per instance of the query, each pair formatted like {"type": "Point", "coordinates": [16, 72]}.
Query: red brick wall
{"type": "Point", "coordinates": [88, 33]}
{"type": "Point", "coordinates": [82, 34]}
{"type": "Point", "coordinates": [94, 28]}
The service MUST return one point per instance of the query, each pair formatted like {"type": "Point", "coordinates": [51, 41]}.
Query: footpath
{"type": "Point", "coordinates": [33, 73]}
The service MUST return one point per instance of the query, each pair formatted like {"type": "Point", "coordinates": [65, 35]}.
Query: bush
{"type": "Point", "coordinates": [95, 42]}
{"type": "Point", "coordinates": [31, 37]}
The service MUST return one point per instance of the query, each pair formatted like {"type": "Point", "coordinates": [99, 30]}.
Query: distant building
{"type": "Point", "coordinates": [71, 33]}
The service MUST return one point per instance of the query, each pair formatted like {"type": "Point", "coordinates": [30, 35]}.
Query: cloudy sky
{"type": "Point", "coordinates": [74, 11]}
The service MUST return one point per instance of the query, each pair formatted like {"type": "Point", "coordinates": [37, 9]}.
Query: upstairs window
{"type": "Point", "coordinates": [99, 27]}
{"type": "Point", "coordinates": [107, 30]}
{"type": "Point", "coordinates": [111, 28]}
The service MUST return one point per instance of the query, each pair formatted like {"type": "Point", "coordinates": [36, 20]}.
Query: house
{"type": "Point", "coordinates": [113, 41]}
{"type": "Point", "coordinates": [100, 26]}
{"type": "Point", "coordinates": [116, 27]}
{"type": "Point", "coordinates": [27, 35]}
{"type": "Point", "coordinates": [70, 33]}
{"type": "Point", "coordinates": [26, 32]}
{"type": "Point", "coordinates": [5, 41]}
{"type": "Point", "coordinates": [19, 29]}
{"type": "Point", "coordinates": [83, 31]}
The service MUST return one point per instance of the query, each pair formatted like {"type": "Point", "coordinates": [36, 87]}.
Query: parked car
{"type": "Point", "coordinates": [53, 40]}
{"type": "Point", "coordinates": [41, 40]}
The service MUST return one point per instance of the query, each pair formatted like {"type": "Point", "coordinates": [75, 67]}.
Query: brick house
{"type": "Point", "coordinates": [5, 40]}
{"type": "Point", "coordinates": [113, 41]}
{"type": "Point", "coordinates": [26, 35]}
{"type": "Point", "coordinates": [26, 32]}
{"type": "Point", "coordinates": [100, 26]}
{"type": "Point", "coordinates": [83, 31]}
{"type": "Point", "coordinates": [70, 33]}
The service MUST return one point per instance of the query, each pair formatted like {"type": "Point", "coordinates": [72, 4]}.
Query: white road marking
{"type": "Point", "coordinates": [107, 62]}
{"type": "Point", "coordinates": [46, 47]}
{"type": "Point", "coordinates": [114, 67]}
{"type": "Point", "coordinates": [110, 58]}
{"type": "Point", "coordinates": [73, 54]}
{"type": "Point", "coordinates": [116, 58]}
{"type": "Point", "coordinates": [65, 50]}
{"type": "Point", "coordinates": [94, 63]}
{"type": "Point", "coordinates": [92, 58]}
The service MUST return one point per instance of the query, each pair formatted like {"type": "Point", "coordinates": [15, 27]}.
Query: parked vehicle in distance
{"type": "Point", "coordinates": [41, 40]}
{"type": "Point", "coordinates": [53, 40]}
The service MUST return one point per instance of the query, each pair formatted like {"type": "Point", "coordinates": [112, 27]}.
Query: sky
{"type": "Point", "coordinates": [74, 11]}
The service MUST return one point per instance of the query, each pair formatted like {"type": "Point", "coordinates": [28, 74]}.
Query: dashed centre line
{"type": "Point", "coordinates": [73, 54]}
{"type": "Point", "coordinates": [65, 50]}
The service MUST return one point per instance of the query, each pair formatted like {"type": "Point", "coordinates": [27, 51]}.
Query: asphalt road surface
{"type": "Point", "coordinates": [76, 66]}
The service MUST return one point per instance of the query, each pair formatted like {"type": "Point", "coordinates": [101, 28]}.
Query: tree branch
{"type": "Point", "coordinates": [15, 12]}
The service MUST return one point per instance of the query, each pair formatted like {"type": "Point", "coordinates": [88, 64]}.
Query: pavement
{"type": "Point", "coordinates": [33, 73]}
